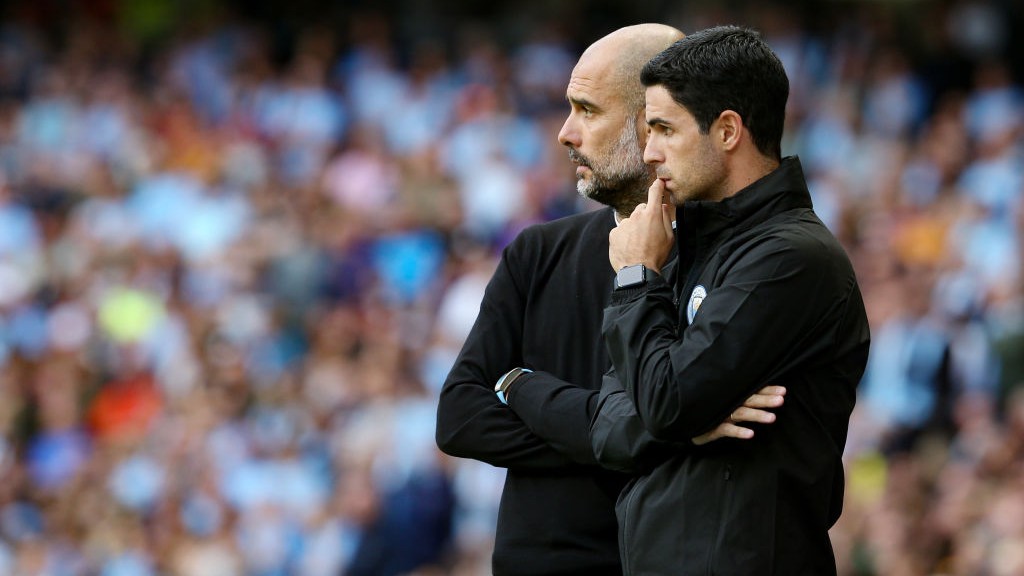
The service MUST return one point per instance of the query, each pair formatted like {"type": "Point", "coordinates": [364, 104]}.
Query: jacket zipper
{"type": "Point", "coordinates": [717, 544]}
{"type": "Point", "coordinates": [626, 517]}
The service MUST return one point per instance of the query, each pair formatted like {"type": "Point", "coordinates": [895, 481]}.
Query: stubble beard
{"type": "Point", "coordinates": [621, 179]}
{"type": "Point", "coordinates": [705, 178]}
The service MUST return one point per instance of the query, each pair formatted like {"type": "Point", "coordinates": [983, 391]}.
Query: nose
{"type": "Point", "coordinates": [652, 153]}
{"type": "Point", "coordinates": [569, 135]}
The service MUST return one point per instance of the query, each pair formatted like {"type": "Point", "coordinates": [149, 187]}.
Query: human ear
{"type": "Point", "coordinates": [728, 130]}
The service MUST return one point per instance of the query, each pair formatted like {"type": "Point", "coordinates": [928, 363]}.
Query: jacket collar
{"type": "Point", "coordinates": [784, 188]}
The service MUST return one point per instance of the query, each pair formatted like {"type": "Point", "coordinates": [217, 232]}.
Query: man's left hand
{"type": "Point", "coordinates": [754, 410]}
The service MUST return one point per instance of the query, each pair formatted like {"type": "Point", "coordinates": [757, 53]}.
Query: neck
{"type": "Point", "coordinates": [628, 201]}
{"type": "Point", "coordinates": [750, 171]}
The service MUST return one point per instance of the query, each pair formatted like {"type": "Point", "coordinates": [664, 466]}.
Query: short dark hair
{"type": "Point", "coordinates": [726, 68]}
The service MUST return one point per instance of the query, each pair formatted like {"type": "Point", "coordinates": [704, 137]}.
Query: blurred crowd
{"type": "Point", "coordinates": [236, 266]}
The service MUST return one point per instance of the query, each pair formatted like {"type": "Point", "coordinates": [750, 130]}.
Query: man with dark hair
{"type": "Point", "coordinates": [523, 391]}
{"type": "Point", "coordinates": [761, 293]}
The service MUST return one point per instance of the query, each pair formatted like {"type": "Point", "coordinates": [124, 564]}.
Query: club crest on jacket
{"type": "Point", "coordinates": [696, 297]}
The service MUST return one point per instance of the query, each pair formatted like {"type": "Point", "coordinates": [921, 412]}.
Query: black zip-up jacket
{"type": "Point", "coordinates": [541, 310]}
{"type": "Point", "coordinates": [764, 294]}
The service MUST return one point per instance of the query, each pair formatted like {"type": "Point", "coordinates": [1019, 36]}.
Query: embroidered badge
{"type": "Point", "coordinates": [696, 298]}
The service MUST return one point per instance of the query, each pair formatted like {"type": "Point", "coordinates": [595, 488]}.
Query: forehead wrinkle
{"type": "Point", "coordinates": [582, 89]}
{"type": "Point", "coordinates": [592, 78]}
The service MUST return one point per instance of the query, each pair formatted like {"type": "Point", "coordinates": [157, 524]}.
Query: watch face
{"type": "Point", "coordinates": [630, 276]}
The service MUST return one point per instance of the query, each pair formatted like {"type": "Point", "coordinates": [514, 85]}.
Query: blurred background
{"type": "Point", "coordinates": [241, 244]}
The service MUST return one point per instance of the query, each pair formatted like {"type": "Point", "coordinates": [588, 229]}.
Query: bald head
{"type": "Point", "coordinates": [623, 54]}
{"type": "Point", "coordinates": [605, 130]}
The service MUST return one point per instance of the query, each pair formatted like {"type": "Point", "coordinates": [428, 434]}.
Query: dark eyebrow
{"type": "Point", "coordinates": [654, 121]}
{"type": "Point", "coordinates": [582, 102]}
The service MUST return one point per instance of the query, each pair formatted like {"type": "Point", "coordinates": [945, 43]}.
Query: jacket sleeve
{"type": "Point", "coordinates": [558, 412]}
{"type": "Point", "coordinates": [471, 421]}
{"type": "Point", "coordinates": [772, 309]}
{"type": "Point", "coordinates": [618, 436]}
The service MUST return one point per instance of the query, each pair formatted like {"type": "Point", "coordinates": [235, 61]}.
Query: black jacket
{"type": "Point", "coordinates": [541, 310]}
{"type": "Point", "coordinates": [772, 299]}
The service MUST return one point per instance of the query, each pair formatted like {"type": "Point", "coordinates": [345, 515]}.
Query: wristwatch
{"type": "Point", "coordinates": [501, 388]}
{"type": "Point", "coordinates": [633, 276]}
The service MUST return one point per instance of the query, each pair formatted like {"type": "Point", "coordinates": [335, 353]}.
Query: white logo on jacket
{"type": "Point", "coordinates": [696, 297]}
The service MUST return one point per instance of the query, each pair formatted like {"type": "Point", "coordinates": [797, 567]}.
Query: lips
{"type": "Point", "coordinates": [578, 159]}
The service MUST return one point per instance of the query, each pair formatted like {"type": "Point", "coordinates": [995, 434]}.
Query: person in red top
{"type": "Point", "coordinates": [125, 408]}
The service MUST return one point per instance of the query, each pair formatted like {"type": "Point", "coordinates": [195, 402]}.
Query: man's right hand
{"type": "Point", "coordinates": [753, 410]}
{"type": "Point", "coordinates": [646, 237]}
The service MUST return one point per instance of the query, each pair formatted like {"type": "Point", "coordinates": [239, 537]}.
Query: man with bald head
{"type": "Point", "coordinates": [607, 103]}
{"type": "Point", "coordinates": [524, 389]}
